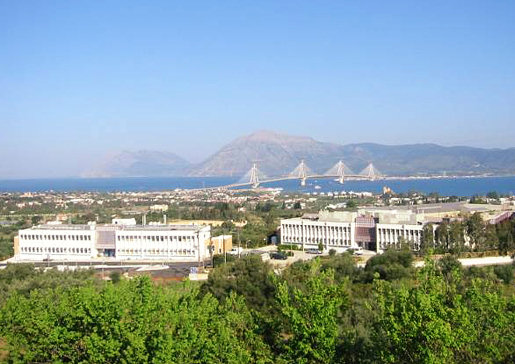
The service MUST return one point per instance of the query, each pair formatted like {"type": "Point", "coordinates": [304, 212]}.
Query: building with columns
{"type": "Point", "coordinates": [334, 232]}
{"type": "Point", "coordinates": [372, 229]}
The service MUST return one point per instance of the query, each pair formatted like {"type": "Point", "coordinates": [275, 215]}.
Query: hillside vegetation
{"type": "Point", "coordinates": [324, 311]}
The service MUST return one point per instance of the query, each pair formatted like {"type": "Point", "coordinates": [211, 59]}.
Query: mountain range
{"type": "Point", "coordinates": [143, 163]}
{"type": "Point", "coordinates": [277, 154]}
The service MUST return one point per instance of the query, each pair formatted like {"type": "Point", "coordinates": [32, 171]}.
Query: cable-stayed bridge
{"type": "Point", "coordinates": [254, 177]}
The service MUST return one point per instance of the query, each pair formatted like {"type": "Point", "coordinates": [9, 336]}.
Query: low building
{"type": "Point", "coordinates": [220, 244]}
{"type": "Point", "coordinates": [140, 242]}
{"type": "Point", "coordinates": [334, 230]}
{"type": "Point", "coordinates": [119, 221]}
{"type": "Point", "coordinates": [159, 208]}
{"type": "Point", "coordinates": [498, 217]}
{"type": "Point", "coordinates": [373, 229]}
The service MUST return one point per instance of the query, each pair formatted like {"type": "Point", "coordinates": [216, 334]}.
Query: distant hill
{"type": "Point", "coordinates": [142, 163]}
{"type": "Point", "coordinates": [277, 154]}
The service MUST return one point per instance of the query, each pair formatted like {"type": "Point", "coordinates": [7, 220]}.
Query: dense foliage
{"type": "Point", "coordinates": [469, 234]}
{"type": "Point", "coordinates": [323, 311]}
{"type": "Point", "coordinates": [7, 233]}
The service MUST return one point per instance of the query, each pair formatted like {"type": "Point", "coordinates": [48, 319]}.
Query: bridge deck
{"type": "Point", "coordinates": [286, 178]}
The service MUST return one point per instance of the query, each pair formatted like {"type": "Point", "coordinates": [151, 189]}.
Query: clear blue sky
{"type": "Point", "coordinates": [79, 79]}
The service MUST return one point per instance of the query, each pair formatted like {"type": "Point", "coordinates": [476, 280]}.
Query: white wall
{"type": "Point", "coordinates": [75, 244]}
{"type": "Point", "coordinates": [308, 234]}
{"type": "Point", "coordinates": [56, 244]}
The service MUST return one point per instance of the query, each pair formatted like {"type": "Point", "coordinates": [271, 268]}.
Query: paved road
{"type": "Point", "coordinates": [478, 262]}
{"type": "Point", "coordinates": [182, 269]}
{"type": "Point", "coordinates": [155, 268]}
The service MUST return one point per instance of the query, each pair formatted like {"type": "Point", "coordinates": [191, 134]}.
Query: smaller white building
{"type": "Point", "coordinates": [159, 208]}
{"type": "Point", "coordinates": [128, 222]}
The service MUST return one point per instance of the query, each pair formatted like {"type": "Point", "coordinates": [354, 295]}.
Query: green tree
{"type": "Point", "coordinates": [36, 219]}
{"type": "Point", "coordinates": [249, 277]}
{"type": "Point", "coordinates": [391, 265]}
{"type": "Point", "coordinates": [442, 235]}
{"type": "Point", "coordinates": [505, 236]}
{"type": "Point", "coordinates": [433, 322]}
{"type": "Point", "coordinates": [311, 317]}
{"type": "Point", "coordinates": [342, 265]}
{"type": "Point", "coordinates": [476, 231]}
{"type": "Point", "coordinates": [492, 195]}
{"type": "Point", "coordinates": [351, 204]}
{"type": "Point", "coordinates": [115, 276]}
{"type": "Point", "coordinates": [504, 273]}
{"type": "Point", "coordinates": [456, 237]}
{"type": "Point", "coordinates": [228, 225]}
{"type": "Point", "coordinates": [131, 322]}
{"type": "Point", "coordinates": [491, 239]}
{"type": "Point", "coordinates": [448, 265]}
{"type": "Point", "coordinates": [427, 242]}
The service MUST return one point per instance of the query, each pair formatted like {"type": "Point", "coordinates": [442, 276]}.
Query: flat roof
{"type": "Point", "coordinates": [61, 227]}
{"type": "Point", "coordinates": [161, 227]}
{"type": "Point", "coordinates": [318, 220]}
{"type": "Point", "coordinates": [82, 227]}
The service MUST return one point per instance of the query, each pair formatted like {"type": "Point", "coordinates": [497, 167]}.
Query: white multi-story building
{"type": "Point", "coordinates": [388, 235]}
{"type": "Point", "coordinates": [369, 228]}
{"type": "Point", "coordinates": [162, 242]}
{"type": "Point", "coordinates": [334, 233]}
{"type": "Point", "coordinates": [392, 227]}
{"type": "Point", "coordinates": [83, 242]}
{"type": "Point", "coordinates": [57, 241]}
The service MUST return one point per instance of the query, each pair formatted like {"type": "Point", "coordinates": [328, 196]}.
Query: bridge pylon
{"type": "Point", "coordinates": [370, 172]}
{"type": "Point", "coordinates": [302, 172]}
{"type": "Point", "coordinates": [339, 170]}
{"type": "Point", "coordinates": [253, 177]}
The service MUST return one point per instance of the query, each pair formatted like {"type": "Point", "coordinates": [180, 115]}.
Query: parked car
{"type": "Point", "coordinates": [313, 251]}
{"type": "Point", "coordinates": [278, 256]}
{"type": "Point", "coordinates": [235, 251]}
{"type": "Point", "coordinates": [357, 251]}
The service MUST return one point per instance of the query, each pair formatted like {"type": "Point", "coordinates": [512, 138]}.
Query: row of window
{"type": "Point", "coordinates": [386, 244]}
{"type": "Point", "coordinates": [55, 237]}
{"type": "Point", "coordinates": [59, 250]}
{"type": "Point", "coordinates": [394, 233]}
{"type": "Point", "coordinates": [319, 235]}
{"type": "Point", "coordinates": [316, 240]}
{"type": "Point", "coordinates": [317, 227]}
{"type": "Point", "coordinates": [156, 251]}
{"type": "Point", "coordinates": [155, 238]}
{"type": "Point", "coordinates": [398, 231]}
{"type": "Point", "coordinates": [318, 231]}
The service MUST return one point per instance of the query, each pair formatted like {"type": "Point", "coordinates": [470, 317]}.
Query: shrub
{"type": "Point", "coordinates": [504, 273]}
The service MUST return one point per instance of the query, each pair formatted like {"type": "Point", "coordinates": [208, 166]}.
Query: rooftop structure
{"type": "Point", "coordinates": [118, 221]}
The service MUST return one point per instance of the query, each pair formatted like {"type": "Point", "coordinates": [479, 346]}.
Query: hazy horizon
{"type": "Point", "coordinates": [90, 165]}
{"type": "Point", "coordinates": [81, 80]}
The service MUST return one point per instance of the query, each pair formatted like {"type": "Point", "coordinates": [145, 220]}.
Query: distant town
{"type": "Point", "coordinates": [193, 228]}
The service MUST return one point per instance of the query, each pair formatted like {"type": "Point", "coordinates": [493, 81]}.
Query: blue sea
{"type": "Point", "coordinates": [443, 186]}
